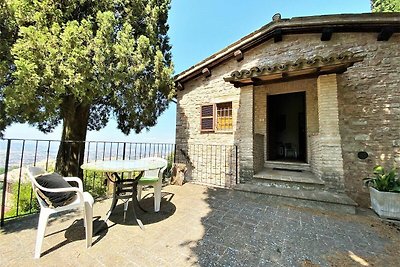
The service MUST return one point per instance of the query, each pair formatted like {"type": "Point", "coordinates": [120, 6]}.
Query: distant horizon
{"type": "Point", "coordinates": [199, 29]}
{"type": "Point", "coordinates": [30, 151]}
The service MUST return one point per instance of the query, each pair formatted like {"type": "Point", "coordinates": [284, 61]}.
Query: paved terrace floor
{"type": "Point", "coordinates": [203, 226]}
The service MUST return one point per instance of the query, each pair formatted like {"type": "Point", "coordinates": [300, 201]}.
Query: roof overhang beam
{"type": "Point", "coordinates": [302, 68]}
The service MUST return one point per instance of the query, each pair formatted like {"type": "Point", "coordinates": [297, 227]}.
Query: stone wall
{"type": "Point", "coordinates": [258, 152]}
{"type": "Point", "coordinates": [208, 164]}
{"type": "Point", "coordinates": [368, 100]}
{"type": "Point", "coordinates": [315, 155]}
{"type": "Point", "coordinates": [199, 92]}
{"type": "Point", "coordinates": [329, 140]}
{"type": "Point", "coordinates": [245, 133]}
{"type": "Point", "coordinates": [205, 164]}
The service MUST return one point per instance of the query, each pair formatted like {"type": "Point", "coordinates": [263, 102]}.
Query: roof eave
{"type": "Point", "coordinates": [368, 22]}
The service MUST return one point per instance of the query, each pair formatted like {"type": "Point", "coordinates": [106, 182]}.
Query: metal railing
{"type": "Point", "coordinates": [214, 165]}
{"type": "Point", "coordinates": [209, 164]}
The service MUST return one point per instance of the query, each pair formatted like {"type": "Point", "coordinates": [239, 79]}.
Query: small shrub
{"type": "Point", "coordinates": [168, 171]}
{"type": "Point", "coordinates": [384, 181]}
{"type": "Point", "coordinates": [25, 201]}
{"type": "Point", "coordinates": [93, 182]}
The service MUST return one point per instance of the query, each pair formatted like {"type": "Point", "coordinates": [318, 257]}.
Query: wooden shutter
{"type": "Point", "coordinates": [207, 118]}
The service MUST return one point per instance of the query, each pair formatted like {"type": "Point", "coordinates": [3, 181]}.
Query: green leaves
{"type": "Point", "coordinates": [385, 5]}
{"type": "Point", "coordinates": [111, 56]}
{"type": "Point", "coordinates": [384, 181]}
{"type": "Point", "coordinates": [7, 37]}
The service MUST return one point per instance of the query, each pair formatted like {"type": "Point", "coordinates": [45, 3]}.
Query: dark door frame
{"type": "Point", "coordinates": [276, 123]}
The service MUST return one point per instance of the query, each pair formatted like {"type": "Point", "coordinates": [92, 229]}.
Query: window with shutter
{"type": "Point", "coordinates": [207, 118]}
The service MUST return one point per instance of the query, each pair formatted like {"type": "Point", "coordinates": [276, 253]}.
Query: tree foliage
{"type": "Point", "coordinates": [7, 37]}
{"type": "Point", "coordinates": [385, 5]}
{"type": "Point", "coordinates": [81, 61]}
{"type": "Point", "coordinates": [111, 55]}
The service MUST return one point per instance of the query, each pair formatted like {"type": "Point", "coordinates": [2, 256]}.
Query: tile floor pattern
{"type": "Point", "coordinates": [201, 226]}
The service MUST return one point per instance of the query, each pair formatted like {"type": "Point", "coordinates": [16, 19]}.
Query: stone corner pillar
{"type": "Point", "coordinates": [245, 132]}
{"type": "Point", "coordinates": [331, 167]}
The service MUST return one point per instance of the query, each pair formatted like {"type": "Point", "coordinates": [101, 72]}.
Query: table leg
{"type": "Point", "coordinates": [112, 207]}
{"type": "Point", "coordinates": [115, 198]}
{"type": "Point", "coordinates": [135, 201]}
{"type": "Point", "coordinates": [134, 197]}
{"type": "Point", "coordinates": [118, 182]}
{"type": "Point", "coordinates": [139, 222]}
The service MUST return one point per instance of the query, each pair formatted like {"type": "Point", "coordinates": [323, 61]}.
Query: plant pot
{"type": "Point", "coordinates": [385, 204]}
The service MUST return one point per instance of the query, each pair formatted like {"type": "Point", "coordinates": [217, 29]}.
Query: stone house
{"type": "Point", "coordinates": [312, 104]}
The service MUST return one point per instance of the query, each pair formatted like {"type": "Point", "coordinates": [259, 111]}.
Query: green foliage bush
{"type": "Point", "coordinates": [94, 183]}
{"type": "Point", "coordinates": [25, 200]}
{"type": "Point", "coordinates": [384, 181]}
{"type": "Point", "coordinates": [168, 171]}
{"type": "Point", "coordinates": [385, 5]}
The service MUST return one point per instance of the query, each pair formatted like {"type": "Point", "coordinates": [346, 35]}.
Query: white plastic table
{"type": "Point", "coordinates": [123, 188]}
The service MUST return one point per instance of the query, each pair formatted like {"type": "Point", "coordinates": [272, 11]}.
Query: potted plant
{"type": "Point", "coordinates": [384, 190]}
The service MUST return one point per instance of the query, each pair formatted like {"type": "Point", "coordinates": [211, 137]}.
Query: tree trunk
{"type": "Point", "coordinates": [72, 146]}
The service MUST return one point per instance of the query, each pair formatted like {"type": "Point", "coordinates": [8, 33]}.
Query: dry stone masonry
{"type": "Point", "coordinates": [352, 104]}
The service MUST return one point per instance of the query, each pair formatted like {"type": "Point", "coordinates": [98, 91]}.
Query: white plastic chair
{"type": "Point", "coordinates": [153, 178]}
{"type": "Point", "coordinates": [83, 200]}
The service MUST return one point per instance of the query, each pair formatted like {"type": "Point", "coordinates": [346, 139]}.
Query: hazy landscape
{"type": "Point", "coordinates": [31, 151]}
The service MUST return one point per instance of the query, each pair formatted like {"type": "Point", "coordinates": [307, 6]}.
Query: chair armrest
{"type": "Point", "coordinates": [79, 193]}
{"type": "Point", "coordinates": [61, 189]}
{"type": "Point", "coordinates": [75, 179]}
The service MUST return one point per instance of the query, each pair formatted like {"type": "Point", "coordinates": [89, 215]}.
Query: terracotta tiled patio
{"type": "Point", "coordinates": [201, 226]}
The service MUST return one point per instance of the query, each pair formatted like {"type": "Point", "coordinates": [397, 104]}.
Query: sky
{"type": "Point", "coordinates": [198, 29]}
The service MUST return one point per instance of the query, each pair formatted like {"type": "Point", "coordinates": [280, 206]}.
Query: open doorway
{"type": "Point", "coordinates": [286, 127]}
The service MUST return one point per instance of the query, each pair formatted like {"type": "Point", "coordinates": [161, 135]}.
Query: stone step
{"type": "Point", "coordinates": [288, 179]}
{"type": "Point", "coordinates": [283, 165]}
{"type": "Point", "coordinates": [316, 199]}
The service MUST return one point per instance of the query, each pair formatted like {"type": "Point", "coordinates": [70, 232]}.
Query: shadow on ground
{"type": "Point", "coordinates": [246, 229]}
{"type": "Point", "coordinates": [203, 226]}
{"type": "Point", "coordinates": [148, 216]}
{"type": "Point", "coordinates": [76, 232]}
{"type": "Point", "coordinates": [31, 221]}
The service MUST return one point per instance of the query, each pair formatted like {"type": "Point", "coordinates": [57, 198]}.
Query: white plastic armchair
{"type": "Point", "coordinates": [82, 200]}
{"type": "Point", "coordinates": [153, 178]}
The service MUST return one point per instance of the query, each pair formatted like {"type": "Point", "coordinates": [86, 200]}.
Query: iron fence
{"type": "Point", "coordinates": [209, 164]}
{"type": "Point", "coordinates": [206, 164]}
